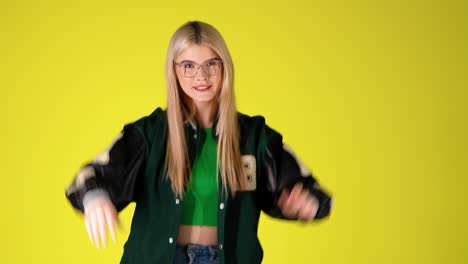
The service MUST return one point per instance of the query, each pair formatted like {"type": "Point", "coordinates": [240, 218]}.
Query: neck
{"type": "Point", "coordinates": [205, 114]}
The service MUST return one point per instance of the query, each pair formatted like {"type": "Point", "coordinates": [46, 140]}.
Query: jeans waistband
{"type": "Point", "coordinates": [199, 250]}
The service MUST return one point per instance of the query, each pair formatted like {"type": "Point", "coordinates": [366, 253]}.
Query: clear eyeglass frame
{"type": "Point", "coordinates": [191, 68]}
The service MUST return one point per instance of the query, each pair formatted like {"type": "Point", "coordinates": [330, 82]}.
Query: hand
{"type": "Point", "coordinates": [299, 203]}
{"type": "Point", "coordinates": [99, 213]}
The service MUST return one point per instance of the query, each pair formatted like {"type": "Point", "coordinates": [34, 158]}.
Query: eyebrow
{"type": "Point", "coordinates": [214, 58]}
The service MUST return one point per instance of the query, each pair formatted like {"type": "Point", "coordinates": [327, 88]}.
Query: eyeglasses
{"type": "Point", "coordinates": [211, 67]}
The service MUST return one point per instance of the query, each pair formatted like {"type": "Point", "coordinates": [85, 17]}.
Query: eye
{"type": "Point", "coordinates": [212, 63]}
{"type": "Point", "coordinates": [188, 65]}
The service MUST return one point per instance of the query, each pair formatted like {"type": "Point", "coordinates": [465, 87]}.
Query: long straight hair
{"type": "Point", "coordinates": [181, 110]}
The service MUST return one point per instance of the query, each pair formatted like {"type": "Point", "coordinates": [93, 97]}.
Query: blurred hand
{"type": "Point", "coordinates": [101, 214]}
{"type": "Point", "coordinates": [299, 203]}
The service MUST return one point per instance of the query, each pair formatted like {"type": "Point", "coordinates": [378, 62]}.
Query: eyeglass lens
{"type": "Point", "coordinates": [191, 68]}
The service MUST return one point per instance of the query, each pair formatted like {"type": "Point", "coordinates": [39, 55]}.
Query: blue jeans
{"type": "Point", "coordinates": [195, 254]}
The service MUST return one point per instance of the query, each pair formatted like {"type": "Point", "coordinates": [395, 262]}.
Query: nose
{"type": "Point", "coordinates": [202, 73]}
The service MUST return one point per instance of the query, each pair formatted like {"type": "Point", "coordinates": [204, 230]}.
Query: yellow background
{"type": "Point", "coordinates": [370, 94]}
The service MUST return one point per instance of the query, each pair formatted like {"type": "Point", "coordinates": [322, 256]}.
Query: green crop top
{"type": "Point", "coordinates": [201, 198]}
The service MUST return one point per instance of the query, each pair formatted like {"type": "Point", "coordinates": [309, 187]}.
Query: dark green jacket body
{"type": "Point", "coordinates": [132, 169]}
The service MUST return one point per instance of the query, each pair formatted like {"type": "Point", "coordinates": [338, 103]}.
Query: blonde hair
{"type": "Point", "coordinates": [180, 110]}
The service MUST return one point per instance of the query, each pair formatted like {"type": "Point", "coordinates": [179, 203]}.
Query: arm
{"type": "Point", "coordinates": [109, 183]}
{"type": "Point", "coordinates": [115, 172]}
{"type": "Point", "coordinates": [289, 190]}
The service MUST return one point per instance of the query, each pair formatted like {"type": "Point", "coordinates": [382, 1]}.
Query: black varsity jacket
{"type": "Point", "coordinates": [131, 170]}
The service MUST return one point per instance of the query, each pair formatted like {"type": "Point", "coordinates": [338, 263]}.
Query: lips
{"type": "Point", "coordinates": [201, 88]}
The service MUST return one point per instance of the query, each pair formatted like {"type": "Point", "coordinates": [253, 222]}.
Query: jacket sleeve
{"type": "Point", "coordinates": [116, 172]}
{"type": "Point", "coordinates": [282, 169]}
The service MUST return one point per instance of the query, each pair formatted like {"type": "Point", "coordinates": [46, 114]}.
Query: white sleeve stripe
{"type": "Point", "coordinates": [88, 171]}
{"type": "Point", "coordinates": [103, 157]}
{"type": "Point", "coordinates": [83, 174]}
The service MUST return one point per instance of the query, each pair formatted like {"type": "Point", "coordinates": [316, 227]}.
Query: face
{"type": "Point", "coordinates": [200, 74]}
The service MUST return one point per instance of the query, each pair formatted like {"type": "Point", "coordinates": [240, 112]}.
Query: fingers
{"type": "Point", "coordinates": [297, 199]}
{"type": "Point", "coordinates": [298, 204]}
{"type": "Point", "coordinates": [283, 198]}
{"type": "Point", "coordinates": [290, 204]}
{"type": "Point", "coordinates": [89, 228]}
{"type": "Point", "coordinates": [111, 219]}
{"type": "Point", "coordinates": [97, 219]}
{"type": "Point", "coordinates": [309, 210]}
{"type": "Point", "coordinates": [94, 228]}
{"type": "Point", "coordinates": [100, 216]}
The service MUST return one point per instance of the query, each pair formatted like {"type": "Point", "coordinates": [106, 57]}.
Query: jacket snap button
{"type": "Point", "coordinates": [171, 240]}
{"type": "Point", "coordinates": [221, 206]}
{"type": "Point", "coordinates": [221, 246]}
{"type": "Point", "coordinates": [177, 201]}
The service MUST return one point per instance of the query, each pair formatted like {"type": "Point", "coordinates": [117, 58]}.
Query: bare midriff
{"type": "Point", "coordinates": [201, 235]}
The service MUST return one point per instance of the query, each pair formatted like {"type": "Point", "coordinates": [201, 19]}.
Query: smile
{"type": "Point", "coordinates": [201, 88]}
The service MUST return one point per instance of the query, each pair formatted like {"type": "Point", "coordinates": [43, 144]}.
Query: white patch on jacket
{"type": "Point", "coordinates": [250, 171]}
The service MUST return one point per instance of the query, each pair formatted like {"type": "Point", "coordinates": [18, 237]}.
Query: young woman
{"type": "Point", "coordinates": [199, 171]}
